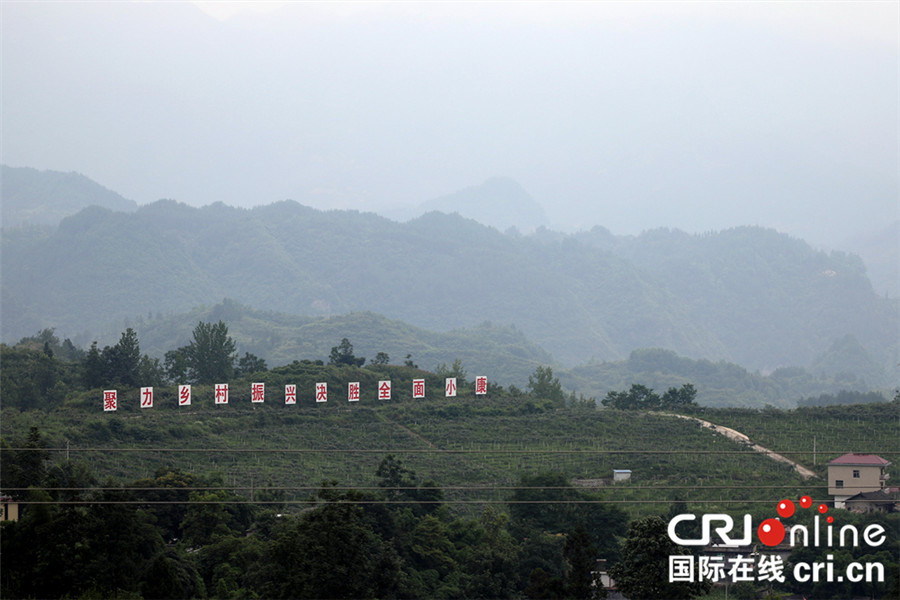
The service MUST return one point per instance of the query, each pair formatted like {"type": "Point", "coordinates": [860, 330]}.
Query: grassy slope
{"type": "Point", "coordinates": [459, 443]}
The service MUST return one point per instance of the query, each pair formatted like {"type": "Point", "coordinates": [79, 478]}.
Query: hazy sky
{"type": "Point", "coordinates": [628, 115]}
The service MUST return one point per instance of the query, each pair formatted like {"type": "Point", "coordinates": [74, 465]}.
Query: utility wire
{"type": "Point", "coordinates": [453, 488]}
{"type": "Point", "coordinates": [747, 452]}
{"type": "Point", "coordinates": [379, 502]}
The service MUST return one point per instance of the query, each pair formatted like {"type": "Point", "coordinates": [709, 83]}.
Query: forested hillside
{"type": "Point", "coordinates": [500, 352]}
{"type": "Point", "coordinates": [417, 495]}
{"type": "Point", "coordinates": [750, 279]}
{"type": "Point", "coordinates": [506, 356]}
{"type": "Point", "coordinates": [751, 295]}
{"type": "Point", "coordinates": [439, 272]}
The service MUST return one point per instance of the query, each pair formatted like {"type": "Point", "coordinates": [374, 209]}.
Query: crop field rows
{"type": "Point", "coordinates": [475, 457]}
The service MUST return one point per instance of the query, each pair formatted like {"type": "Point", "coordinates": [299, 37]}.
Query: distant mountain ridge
{"type": "Point", "coordinates": [498, 202]}
{"type": "Point", "coordinates": [37, 197]}
{"type": "Point", "coordinates": [438, 271]}
{"type": "Point", "coordinates": [777, 279]}
{"type": "Point", "coordinates": [747, 295]}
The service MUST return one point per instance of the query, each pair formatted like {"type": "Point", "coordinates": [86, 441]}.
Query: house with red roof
{"type": "Point", "coordinates": [853, 474]}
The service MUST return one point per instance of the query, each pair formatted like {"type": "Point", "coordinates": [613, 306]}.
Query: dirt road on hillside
{"type": "Point", "coordinates": [737, 436]}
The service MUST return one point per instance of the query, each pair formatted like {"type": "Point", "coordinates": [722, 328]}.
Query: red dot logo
{"type": "Point", "coordinates": [823, 509]}
{"type": "Point", "coordinates": [785, 508]}
{"type": "Point", "coordinates": [805, 501]}
{"type": "Point", "coordinates": [770, 532]}
{"type": "Point", "coordinates": [830, 519]}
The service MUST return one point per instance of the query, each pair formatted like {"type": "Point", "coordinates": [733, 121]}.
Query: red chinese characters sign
{"type": "Point", "coordinates": [383, 391]}
{"type": "Point", "coordinates": [221, 396]}
{"type": "Point", "coordinates": [146, 397]}
{"type": "Point", "coordinates": [258, 393]}
{"type": "Point", "coordinates": [290, 394]}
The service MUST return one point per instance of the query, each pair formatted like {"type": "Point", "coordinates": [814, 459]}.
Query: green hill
{"type": "Point", "coordinates": [499, 352]}
{"type": "Point", "coordinates": [202, 500]}
{"type": "Point", "coordinates": [748, 295]}
{"type": "Point", "coordinates": [507, 356]}
{"type": "Point", "coordinates": [440, 272]}
{"type": "Point", "coordinates": [468, 441]}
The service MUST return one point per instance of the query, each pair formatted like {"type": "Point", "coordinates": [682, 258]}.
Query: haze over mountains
{"type": "Point", "coordinates": [32, 197]}
{"type": "Point", "coordinates": [498, 202]}
{"type": "Point", "coordinates": [604, 122]}
{"type": "Point", "coordinates": [748, 295]}
{"type": "Point", "coordinates": [699, 116]}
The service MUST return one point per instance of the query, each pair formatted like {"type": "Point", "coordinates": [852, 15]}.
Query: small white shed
{"type": "Point", "coordinates": [621, 475]}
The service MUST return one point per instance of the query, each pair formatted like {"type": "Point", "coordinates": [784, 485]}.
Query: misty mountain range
{"type": "Point", "coordinates": [498, 202]}
{"type": "Point", "coordinates": [627, 115]}
{"type": "Point", "coordinates": [747, 295]}
{"type": "Point", "coordinates": [32, 197]}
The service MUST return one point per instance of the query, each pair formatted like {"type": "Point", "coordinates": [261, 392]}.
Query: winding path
{"type": "Point", "coordinates": [737, 436]}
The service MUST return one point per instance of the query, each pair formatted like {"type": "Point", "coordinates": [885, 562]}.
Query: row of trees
{"type": "Point", "coordinates": [40, 370]}
{"type": "Point", "coordinates": [177, 535]}
{"type": "Point", "coordinates": [640, 397]}
{"type": "Point", "coordinates": [208, 358]}
{"type": "Point", "coordinates": [211, 357]}
{"type": "Point", "coordinates": [121, 364]}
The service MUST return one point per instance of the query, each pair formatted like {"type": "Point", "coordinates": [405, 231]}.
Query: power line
{"type": "Point", "coordinates": [454, 488]}
{"type": "Point", "coordinates": [379, 502]}
{"type": "Point", "coordinates": [747, 452]}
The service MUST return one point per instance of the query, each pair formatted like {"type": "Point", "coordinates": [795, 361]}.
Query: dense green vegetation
{"type": "Point", "coordinates": [499, 496]}
{"type": "Point", "coordinates": [842, 397]}
{"type": "Point", "coordinates": [481, 440]}
{"type": "Point", "coordinates": [815, 435]}
{"type": "Point", "coordinates": [176, 535]}
{"type": "Point", "coordinates": [53, 384]}
{"type": "Point", "coordinates": [640, 397]}
{"type": "Point", "coordinates": [749, 295]}
{"type": "Point", "coordinates": [500, 353]}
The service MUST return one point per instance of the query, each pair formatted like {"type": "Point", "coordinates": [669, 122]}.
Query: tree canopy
{"type": "Point", "coordinates": [342, 355]}
{"type": "Point", "coordinates": [543, 385]}
{"type": "Point", "coordinates": [640, 397]}
{"type": "Point", "coordinates": [643, 572]}
{"type": "Point", "coordinates": [211, 354]}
